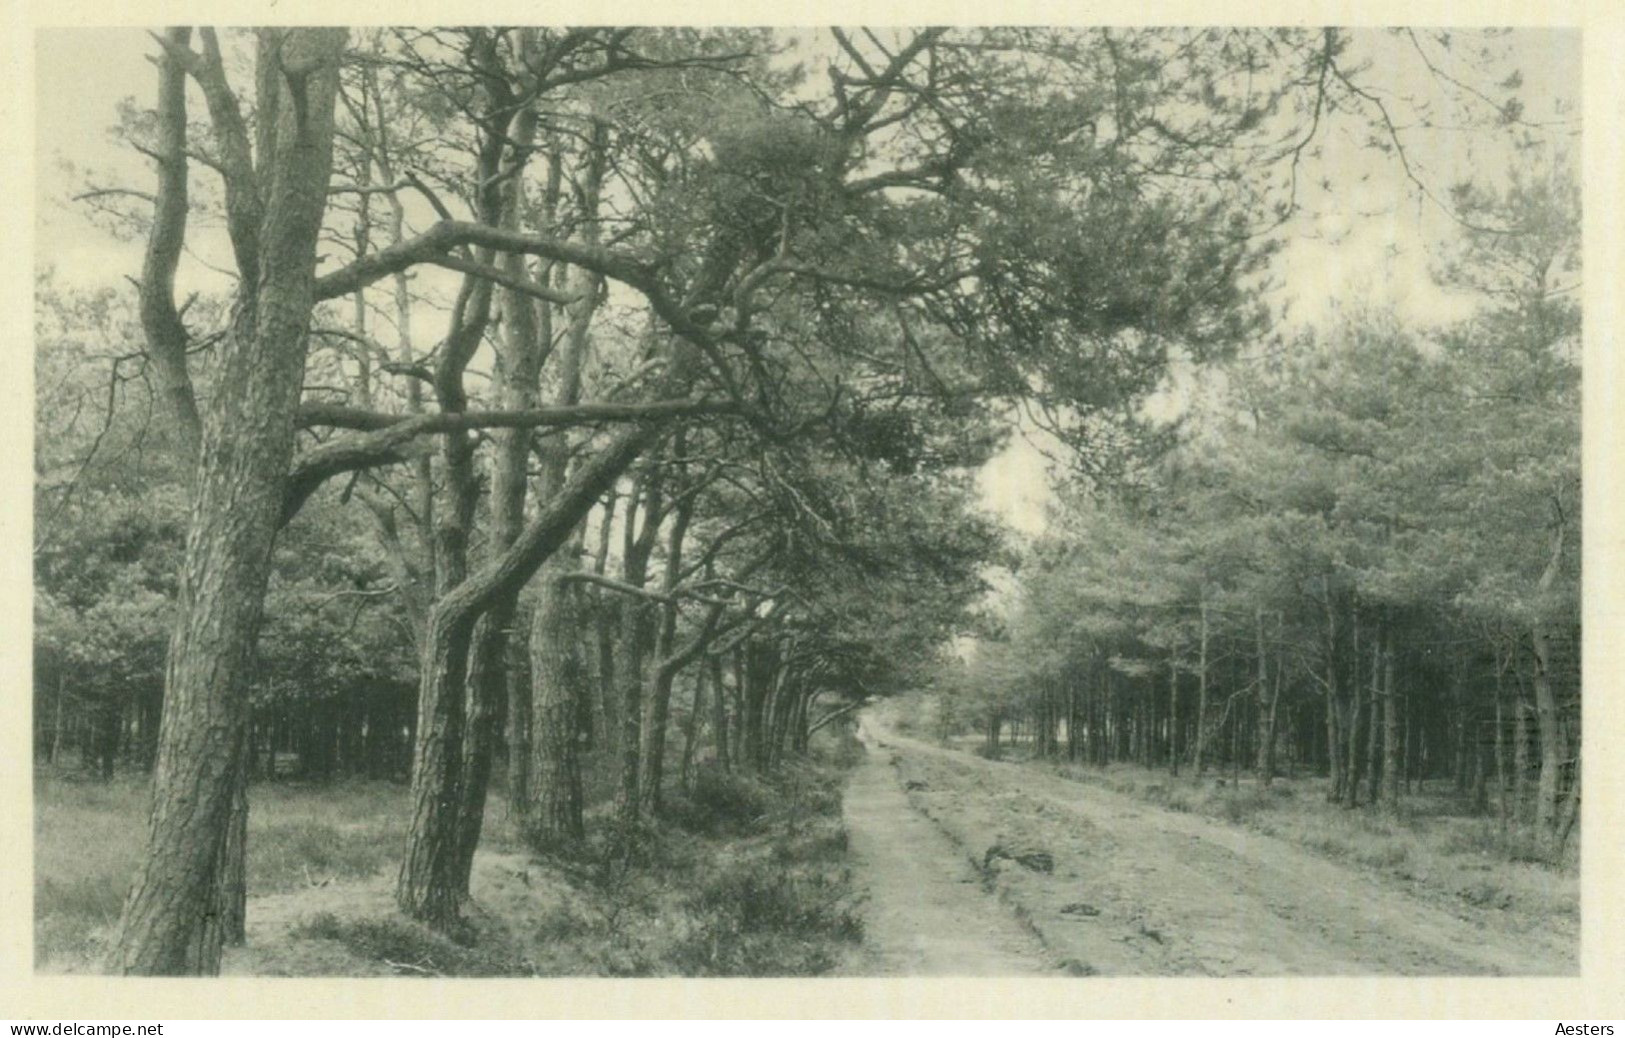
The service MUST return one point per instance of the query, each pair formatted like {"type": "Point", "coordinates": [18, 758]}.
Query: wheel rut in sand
{"type": "Point", "coordinates": [1127, 888]}
{"type": "Point", "coordinates": [926, 912]}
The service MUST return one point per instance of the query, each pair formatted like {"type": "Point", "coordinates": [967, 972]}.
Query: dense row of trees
{"type": "Point", "coordinates": [604, 388]}
{"type": "Point", "coordinates": [1361, 559]}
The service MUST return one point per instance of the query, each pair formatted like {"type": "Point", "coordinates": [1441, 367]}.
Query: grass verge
{"type": "Point", "coordinates": [744, 876]}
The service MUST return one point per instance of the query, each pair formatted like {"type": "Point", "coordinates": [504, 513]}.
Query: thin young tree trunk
{"type": "Point", "coordinates": [1548, 723]}
{"type": "Point", "coordinates": [1334, 740]}
{"type": "Point", "coordinates": [1500, 740]}
{"type": "Point", "coordinates": [1351, 783]}
{"type": "Point", "coordinates": [1390, 742]}
{"type": "Point", "coordinates": [633, 645]}
{"type": "Point", "coordinates": [1201, 693]}
{"type": "Point", "coordinates": [60, 724]}
{"type": "Point", "coordinates": [1173, 715]}
{"type": "Point", "coordinates": [1373, 759]}
{"type": "Point", "coordinates": [691, 729]}
{"type": "Point", "coordinates": [1267, 699]}
{"type": "Point", "coordinates": [1520, 743]}
{"type": "Point", "coordinates": [609, 703]}
{"type": "Point", "coordinates": [653, 764]}
{"type": "Point", "coordinates": [719, 708]}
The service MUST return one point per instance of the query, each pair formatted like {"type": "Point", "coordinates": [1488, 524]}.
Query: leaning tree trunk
{"type": "Point", "coordinates": [526, 336]}
{"type": "Point", "coordinates": [172, 922]}
{"type": "Point", "coordinates": [428, 887]}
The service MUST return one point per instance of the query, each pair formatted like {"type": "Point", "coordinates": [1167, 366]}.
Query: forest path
{"type": "Point", "coordinates": [926, 913]}
{"type": "Point", "coordinates": [1137, 890]}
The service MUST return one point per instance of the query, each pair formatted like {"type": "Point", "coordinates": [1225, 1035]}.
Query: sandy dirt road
{"type": "Point", "coordinates": [1135, 890]}
{"type": "Point", "coordinates": [926, 913]}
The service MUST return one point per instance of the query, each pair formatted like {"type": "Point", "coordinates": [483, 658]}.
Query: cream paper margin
{"type": "Point", "coordinates": [1599, 992]}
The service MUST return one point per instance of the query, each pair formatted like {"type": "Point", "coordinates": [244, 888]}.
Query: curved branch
{"type": "Point", "coordinates": [433, 243]}
{"type": "Point", "coordinates": [342, 417]}
{"type": "Point", "coordinates": [504, 278]}
{"type": "Point", "coordinates": [389, 439]}
{"type": "Point", "coordinates": [160, 320]}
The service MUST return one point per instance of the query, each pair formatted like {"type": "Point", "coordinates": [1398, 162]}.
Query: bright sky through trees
{"type": "Point", "coordinates": [1364, 230]}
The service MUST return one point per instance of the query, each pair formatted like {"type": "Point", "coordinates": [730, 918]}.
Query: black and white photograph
{"type": "Point", "coordinates": [1072, 501]}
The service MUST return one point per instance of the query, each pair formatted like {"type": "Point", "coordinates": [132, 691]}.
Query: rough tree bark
{"type": "Point", "coordinates": [173, 921]}
{"type": "Point", "coordinates": [632, 647]}
{"type": "Point", "coordinates": [521, 348]}
{"type": "Point", "coordinates": [664, 673]}
{"type": "Point", "coordinates": [428, 886]}
{"type": "Point", "coordinates": [553, 815]}
{"type": "Point", "coordinates": [558, 687]}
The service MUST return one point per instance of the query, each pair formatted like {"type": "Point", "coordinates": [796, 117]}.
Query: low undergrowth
{"type": "Point", "coordinates": [1429, 842]}
{"type": "Point", "coordinates": [748, 878]}
{"type": "Point", "coordinates": [88, 837]}
{"type": "Point", "coordinates": [744, 875]}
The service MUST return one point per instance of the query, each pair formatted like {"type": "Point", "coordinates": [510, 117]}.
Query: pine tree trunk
{"type": "Point", "coordinates": [429, 884]}
{"type": "Point", "coordinates": [554, 817]}
{"type": "Point", "coordinates": [1547, 721]}
{"type": "Point", "coordinates": [61, 724]}
{"type": "Point", "coordinates": [653, 764]}
{"type": "Point", "coordinates": [1201, 695]}
{"type": "Point", "coordinates": [1390, 744]}
{"type": "Point", "coordinates": [1373, 760]}
{"type": "Point", "coordinates": [517, 737]}
{"type": "Point", "coordinates": [171, 922]}
{"type": "Point", "coordinates": [429, 887]}
{"type": "Point", "coordinates": [233, 884]}
{"type": "Point", "coordinates": [691, 729]}
{"type": "Point", "coordinates": [1334, 739]}
{"type": "Point", "coordinates": [629, 673]}
{"type": "Point", "coordinates": [1267, 700]}
{"type": "Point", "coordinates": [485, 707]}
{"type": "Point", "coordinates": [1173, 715]}
{"type": "Point", "coordinates": [1500, 744]}
{"type": "Point", "coordinates": [719, 714]}
{"type": "Point", "coordinates": [1351, 781]}
{"type": "Point", "coordinates": [1520, 747]}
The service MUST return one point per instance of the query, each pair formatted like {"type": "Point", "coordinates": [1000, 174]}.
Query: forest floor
{"type": "Point", "coordinates": [1115, 884]}
{"type": "Point", "coordinates": [745, 876]}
